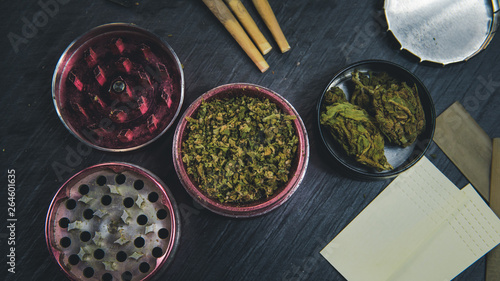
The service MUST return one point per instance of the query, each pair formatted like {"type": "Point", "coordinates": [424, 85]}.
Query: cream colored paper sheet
{"type": "Point", "coordinates": [421, 227]}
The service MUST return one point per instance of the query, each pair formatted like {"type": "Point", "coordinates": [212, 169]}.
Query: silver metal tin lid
{"type": "Point", "coordinates": [443, 31]}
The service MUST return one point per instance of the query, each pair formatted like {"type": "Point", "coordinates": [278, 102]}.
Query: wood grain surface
{"type": "Point", "coordinates": [493, 257]}
{"type": "Point", "coordinates": [467, 145]}
{"type": "Point", "coordinates": [324, 36]}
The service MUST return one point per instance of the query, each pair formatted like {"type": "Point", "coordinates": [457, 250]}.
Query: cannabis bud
{"type": "Point", "coordinates": [380, 106]}
{"type": "Point", "coordinates": [395, 106]}
{"type": "Point", "coordinates": [354, 129]}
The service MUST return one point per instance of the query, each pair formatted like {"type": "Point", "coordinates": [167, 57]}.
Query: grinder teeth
{"type": "Point", "coordinates": [99, 214]}
{"type": "Point", "coordinates": [113, 189]}
{"type": "Point", "coordinates": [149, 229]}
{"type": "Point", "coordinates": [102, 231]}
{"type": "Point", "coordinates": [98, 239]}
{"type": "Point", "coordinates": [118, 73]}
{"type": "Point", "coordinates": [139, 201]}
{"type": "Point", "coordinates": [125, 217]}
{"type": "Point", "coordinates": [85, 199]}
{"type": "Point", "coordinates": [75, 225]}
{"type": "Point", "coordinates": [81, 253]}
{"type": "Point", "coordinates": [109, 265]}
{"type": "Point", "coordinates": [136, 255]}
{"type": "Point", "coordinates": [121, 241]}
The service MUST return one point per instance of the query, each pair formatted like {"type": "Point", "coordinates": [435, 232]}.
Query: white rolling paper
{"type": "Point", "coordinates": [421, 227]}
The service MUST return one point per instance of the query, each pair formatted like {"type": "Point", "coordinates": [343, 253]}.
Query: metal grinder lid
{"type": "Point", "coordinates": [112, 221]}
{"type": "Point", "coordinates": [118, 87]}
{"type": "Point", "coordinates": [443, 31]}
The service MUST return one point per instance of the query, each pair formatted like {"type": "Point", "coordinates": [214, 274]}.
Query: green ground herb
{"type": "Point", "coordinates": [239, 149]}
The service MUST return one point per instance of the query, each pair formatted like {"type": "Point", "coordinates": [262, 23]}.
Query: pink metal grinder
{"type": "Point", "coordinates": [112, 221]}
{"type": "Point", "coordinates": [262, 206]}
{"type": "Point", "coordinates": [118, 87]}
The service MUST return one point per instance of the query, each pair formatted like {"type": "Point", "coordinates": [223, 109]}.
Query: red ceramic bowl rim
{"type": "Point", "coordinates": [247, 210]}
{"type": "Point", "coordinates": [119, 166]}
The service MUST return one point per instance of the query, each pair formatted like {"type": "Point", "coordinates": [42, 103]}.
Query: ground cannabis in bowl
{"type": "Point", "coordinates": [239, 149]}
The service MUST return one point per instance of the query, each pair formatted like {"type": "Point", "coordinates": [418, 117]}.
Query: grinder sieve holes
{"type": "Point", "coordinates": [64, 222]}
{"type": "Point", "coordinates": [88, 272]}
{"type": "Point", "coordinates": [142, 219]}
{"type": "Point", "coordinates": [106, 200]}
{"type": "Point", "coordinates": [107, 277]}
{"type": "Point", "coordinates": [139, 242]}
{"type": "Point", "coordinates": [157, 252]}
{"type": "Point", "coordinates": [99, 254]}
{"type": "Point", "coordinates": [88, 214]}
{"type": "Point", "coordinates": [163, 233]}
{"type": "Point", "coordinates": [121, 256]}
{"type": "Point", "coordinates": [120, 179]}
{"type": "Point", "coordinates": [153, 197]}
{"type": "Point", "coordinates": [85, 236]}
{"type": "Point", "coordinates": [65, 242]}
{"type": "Point", "coordinates": [84, 189]}
{"type": "Point", "coordinates": [128, 202]}
{"type": "Point", "coordinates": [161, 214]}
{"type": "Point", "coordinates": [126, 276]}
{"type": "Point", "coordinates": [101, 180]}
{"type": "Point", "coordinates": [70, 204]}
{"type": "Point", "coordinates": [144, 267]}
{"type": "Point", "coordinates": [74, 259]}
{"type": "Point", "coordinates": [138, 184]}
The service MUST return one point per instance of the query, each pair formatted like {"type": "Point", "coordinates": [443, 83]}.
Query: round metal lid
{"type": "Point", "coordinates": [442, 31]}
{"type": "Point", "coordinates": [112, 221]}
{"type": "Point", "coordinates": [118, 87]}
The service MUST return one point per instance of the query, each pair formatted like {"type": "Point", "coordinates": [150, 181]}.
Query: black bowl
{"type": "Point", "coordinates": [400, 158]}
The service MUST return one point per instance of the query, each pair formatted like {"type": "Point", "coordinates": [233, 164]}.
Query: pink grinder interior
{"type": "Point", "coordinates": [118, 87]}
{"type": "Point", "coordinates": [113, 221]}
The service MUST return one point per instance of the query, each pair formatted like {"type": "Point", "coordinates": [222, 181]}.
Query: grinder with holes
{"type": "Point", "coordinates": [113, 221]}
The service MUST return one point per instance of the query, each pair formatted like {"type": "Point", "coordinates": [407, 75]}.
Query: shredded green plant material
{"type": "Point", "coordinates": [354, 129]}
{"type": "Point", "coordinates": [239, 149]}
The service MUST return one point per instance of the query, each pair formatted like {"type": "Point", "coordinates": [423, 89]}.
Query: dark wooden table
{"type": "Point", "coordinates": [324, 36]}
